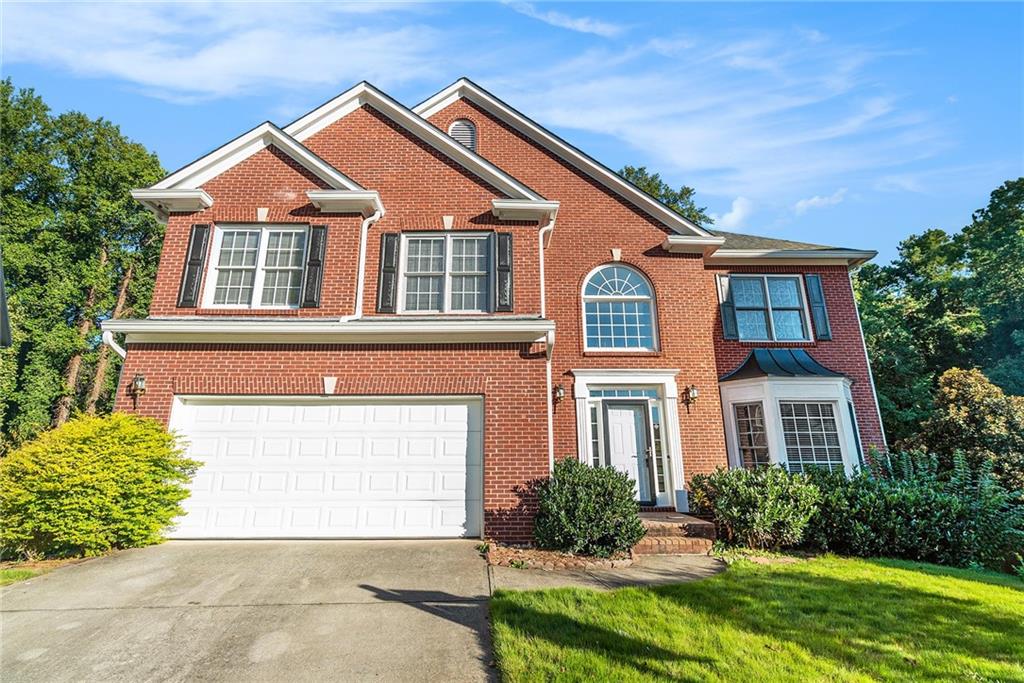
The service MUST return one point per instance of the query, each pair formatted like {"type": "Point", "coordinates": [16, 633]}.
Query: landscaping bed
{"type": "Point", "coordinates": [532, 558]}
{"type": "Point", "coordinates": [10, 572]}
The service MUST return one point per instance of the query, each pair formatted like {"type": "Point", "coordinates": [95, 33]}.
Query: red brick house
{"type": "Point", "coordinates": [384, 322]}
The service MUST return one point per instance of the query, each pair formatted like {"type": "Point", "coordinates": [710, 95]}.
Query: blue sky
{"type": "Point", "coordinates": [849, 124]}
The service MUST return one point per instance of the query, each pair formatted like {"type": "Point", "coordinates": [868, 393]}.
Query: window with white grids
{"type": "Point", "coordinates": [811, 432]}
{"type": "Point", "coordinates": [256, 267]}
{"type": "Point", "coordinates": [769, 307]}
{"type": "Point", "coordinates": [446, 273]}
{"type": "Point", "coordinates": [750, 434]}
{"type": "Point", "coordinates": [618, 310]}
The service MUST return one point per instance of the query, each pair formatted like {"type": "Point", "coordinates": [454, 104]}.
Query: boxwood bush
{"type": "Point", "coordinates": [93, 484]}
{"type": "Point", "coordinates": [763, 508]}
{"type": "Point", "coordinates": [587, 510]}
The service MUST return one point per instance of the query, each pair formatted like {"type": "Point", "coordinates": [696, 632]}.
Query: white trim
{"type": "Point", "coordinates": [663, 379]}
{"type": "Point", "coordinates": [365, 331]}
{"type": "Point", "coordinates": [446, 276]}
{"type": "Point", "coordinates": [652, 299]}
{"type": "Point", "coordinates": [464, 88]}
{"type": "Point", "coordinates": [867, 361]}
{"type": "Point", "coordinates": [210, 277]}
{"type": "Point", "coordinates": [770, 391]}
{"type": "Point", "coordinates": [524, 209]}
{"type": "Point", "coordinates": [365, 202]}
{"type": "Point", "coordinates": [805, 306]}
{"type": "Point", "coordinates": [782, 257]}
{"type": "Point", "coordinates": [365, 94]}
{"type": "Point", "coordinates": [690, 244]}
{"type": "Point", "coordinates": [108, 339]}
{"type": "Point", "coordinates": [244, 146]}
{"type": "Point", "coordinates": [164, 202]}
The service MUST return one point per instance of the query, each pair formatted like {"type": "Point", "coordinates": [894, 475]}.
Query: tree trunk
{"type": "Point", "coordinates": [103, 361]}
{"type": "Point", "coordinates": [64, 403]}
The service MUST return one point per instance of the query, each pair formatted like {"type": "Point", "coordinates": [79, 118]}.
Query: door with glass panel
{"type": "Point", "coordinates": [626, 431]}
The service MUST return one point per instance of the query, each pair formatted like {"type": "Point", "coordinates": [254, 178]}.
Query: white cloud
{"type": "Point", "coordinates": [579, 24]}
{"type": "Point", "coordinates": [817, 201]}
{"type": "Point", "coordinates": [741, 210]}
{"type": "Point", "coordinates": [193, 51]}
{"type": "Point", "coordinates": [762, 116]}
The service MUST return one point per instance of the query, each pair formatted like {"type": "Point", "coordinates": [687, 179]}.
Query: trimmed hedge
{"type": "Point", "coordinates": [901, 506]}
{"type": "Point", "coordinates": [93, 484]}
{"type": "Point", "coordinates": [587, 510]}
{"type": "Point", "coordinates": [764, 508]}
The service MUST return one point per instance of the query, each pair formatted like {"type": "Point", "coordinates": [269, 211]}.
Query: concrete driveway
{"type": "Point", "coordinates": [254, 611]}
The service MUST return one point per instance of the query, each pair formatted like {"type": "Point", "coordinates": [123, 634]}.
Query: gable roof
{"type": "Point", "coordinates": [740, 245]}
{"type": "Point", "coordinates": [193, 175]}
{"type": "Point", "coordinates": [779, 363]}
{"type": "Point", "coordinates": [365, 93]}
{"type": "Point", "coordinates": [465, 88]}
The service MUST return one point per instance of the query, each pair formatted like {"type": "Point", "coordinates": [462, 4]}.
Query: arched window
{"type": "Point", "coordinates": [464, 133]}
{"type": "Point", "coordinates": [618, 310]}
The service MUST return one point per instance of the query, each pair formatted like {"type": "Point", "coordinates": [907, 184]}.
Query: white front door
{"type": "Point", "coordinates": [277, 467]}
{"type": "Point", "coordinates": [626, 430]}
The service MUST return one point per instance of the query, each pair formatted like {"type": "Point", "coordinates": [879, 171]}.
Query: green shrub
{"type": "Point", "coordinates": [93, 484]}
{"type": "Point", "coordinates": [906, 506]}
{"type": "Point", "coordinates": [763, 508]}
{"type": "Point", "coordinates": [587, 510]}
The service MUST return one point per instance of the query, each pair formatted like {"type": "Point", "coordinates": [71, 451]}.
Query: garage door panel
{"type": "Point", "coordinates": [334, 470]}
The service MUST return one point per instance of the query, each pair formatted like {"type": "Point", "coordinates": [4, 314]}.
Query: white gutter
{"type": "Point", "coordinates": [851, 257]}
{"type": "Point", "coordinates": [542, 238]}
{"type": "Point", "coordinates": [108, 339]}
{"type": "Point", "coordinates": [365, 331]}
{"type": "Point", "coordinates": [364, 231]}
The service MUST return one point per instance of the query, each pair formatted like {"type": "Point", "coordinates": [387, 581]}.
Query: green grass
{"type": "Point", "coordinates": [825, 619]}
{"type": "Point", "coordinates": [8, 576]}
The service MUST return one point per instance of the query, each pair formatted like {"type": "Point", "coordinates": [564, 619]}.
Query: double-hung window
{"type": "Point", "coordinates": [811, 433]}
{"type": "Point", "coordinates": [446, 273]}
{"type": "Point", "coordinates": [769, 307]}
{"type": "Point", "coordinates": [256, 267]}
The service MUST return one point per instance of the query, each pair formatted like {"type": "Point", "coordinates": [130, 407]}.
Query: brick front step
{"type": "Point", "coordinates": [676, 525]}
{"type": "Point", "coordinates": [672, 545]}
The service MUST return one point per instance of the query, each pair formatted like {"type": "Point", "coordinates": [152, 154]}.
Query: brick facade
{"type": "Point", "coordinates": [418, 185]}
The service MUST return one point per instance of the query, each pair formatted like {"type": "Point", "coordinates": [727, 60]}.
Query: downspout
{"type": "Point", "coordinates": [108, 339]}
{"type": "Point", "coordinates": [364, 231]}
{"type": "Point", "coordinates": [542, 234]}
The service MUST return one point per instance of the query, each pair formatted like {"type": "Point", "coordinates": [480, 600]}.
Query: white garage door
{"type": "Point", "coordinates": [293, 468]}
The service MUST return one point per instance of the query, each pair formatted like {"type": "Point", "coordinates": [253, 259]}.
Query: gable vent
{"type": "Point", "coordinates": [464, 133]}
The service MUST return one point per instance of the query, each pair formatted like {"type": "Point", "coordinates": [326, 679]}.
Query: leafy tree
{"type": "Point", "coordinates": [681, 200]}
{"type": "Point", "coordinates": [72, 241]}
{"type": "Point", "coordinates": [975, 417]}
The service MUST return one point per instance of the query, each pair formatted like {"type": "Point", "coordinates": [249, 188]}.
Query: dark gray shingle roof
{"type": "Point", "coordinates": [737, 240]}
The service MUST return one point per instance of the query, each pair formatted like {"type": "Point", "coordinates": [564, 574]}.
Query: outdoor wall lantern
{"type": "Point", "coordinates": [690, 394]}
{"type": "Point", "coordinates": [559, 392]}
{"type": "Point", "coordinates": [137, 388]}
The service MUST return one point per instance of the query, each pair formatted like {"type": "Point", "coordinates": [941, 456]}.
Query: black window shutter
{"type": "Point", "coordinates": [195, 258]}
{"type": "Point", "coordinates": [729, 327]}
{"type": "Point", "coordinates": [816, 300]}
{"type": "Point", "coordinates": [503, 272]}
{"type": "Point", "coordinates": [314, 266]}
{"type": "Point", "coordinates": [387, 281]}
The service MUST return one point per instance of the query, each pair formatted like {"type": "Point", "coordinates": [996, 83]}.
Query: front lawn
{"type": "Point", "coordinates": [822, 619]}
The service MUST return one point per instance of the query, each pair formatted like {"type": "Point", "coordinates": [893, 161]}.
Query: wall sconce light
{"type": "Point", "coordinates": [559, 392]}
{"type": "Point", "coordinates": [137, 388]}
{"type": "Point", "coordinates": [690, 394]}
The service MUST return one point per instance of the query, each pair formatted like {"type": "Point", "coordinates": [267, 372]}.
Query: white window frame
{"type": "Point", "coordinates": [771, 391]}
{"type": "Point", "coordinates": [584, 299]}
{"type": "Point", "coordinates": [804, 307]}
{"type": "Point", "coordinates": [210, 288]}
{"type": "Point", "coordinates": [446, 277]}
